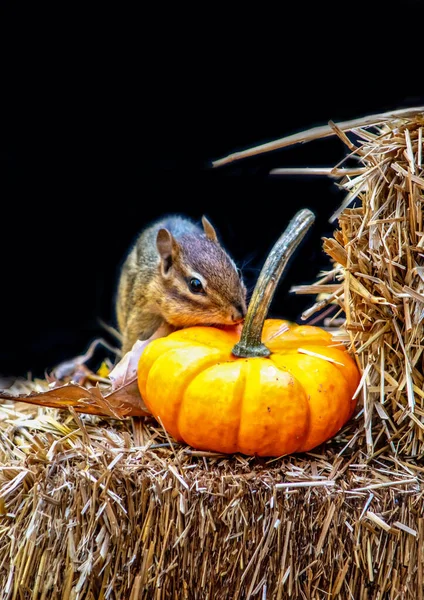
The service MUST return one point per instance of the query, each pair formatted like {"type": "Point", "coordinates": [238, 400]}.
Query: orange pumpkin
{"type": "Point", "coordinates": [281, 388]}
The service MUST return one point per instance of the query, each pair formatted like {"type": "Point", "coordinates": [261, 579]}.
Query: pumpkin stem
{"type": "Point", "coordinates": [250, 343]}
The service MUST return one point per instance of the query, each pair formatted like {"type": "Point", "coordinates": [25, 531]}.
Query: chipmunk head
{"type": "Point", "coordinates": [201, 283]}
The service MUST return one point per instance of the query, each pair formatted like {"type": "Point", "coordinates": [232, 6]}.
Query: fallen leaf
{"type": "Point", "coordinates": [120, 403]}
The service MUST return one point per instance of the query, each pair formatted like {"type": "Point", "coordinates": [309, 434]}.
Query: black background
{"type": "Point", "coordinates": [114, 117]}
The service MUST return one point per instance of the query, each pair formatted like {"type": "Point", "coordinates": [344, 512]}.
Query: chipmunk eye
{"type": "Point", "coordinates": [195, 285]}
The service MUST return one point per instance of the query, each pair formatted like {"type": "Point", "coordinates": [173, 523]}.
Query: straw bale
{"type": "Point", "coordinates": [378, 276]}
{"type": "Point", "coordinates": [94, 508]}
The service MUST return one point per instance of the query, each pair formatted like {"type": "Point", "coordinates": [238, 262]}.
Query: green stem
{"type": "Point", "coordinates": [250, 343]}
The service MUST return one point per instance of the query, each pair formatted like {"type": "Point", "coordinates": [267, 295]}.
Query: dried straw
{"type": "Point", "coordinates": [106, 509]}
{"type": "Point", "coordinates": [378, 277]}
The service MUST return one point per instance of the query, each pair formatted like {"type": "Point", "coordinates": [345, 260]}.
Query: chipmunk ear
{"type": "Point", "coordinates": [167, 247]}
{"type": "Point", "coordinates": [209, 230]}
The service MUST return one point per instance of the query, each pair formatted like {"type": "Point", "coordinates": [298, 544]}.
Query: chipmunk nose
{"type": "Point", "coordinates": [239, 312]}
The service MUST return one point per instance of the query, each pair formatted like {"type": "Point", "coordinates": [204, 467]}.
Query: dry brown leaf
{"type": "Point", "coordinates": [120, 403]}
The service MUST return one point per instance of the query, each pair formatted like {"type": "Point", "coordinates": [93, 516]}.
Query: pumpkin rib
{"type": "Point", "coordinates": [328, 413]}
{"type": "Point", "coordinates": [200, 424]}
{"type": "Point", "coordinates": [155, 349]}
{"type": "Point", "coordinates": [275, 414]}
{"type": "Point", "coordinates": [187, 382]}
{"type": "Point", "coordinates": [240, 387]}
{"type": "Point", "coordinates": [153, 380]}
{"type": "Point", "coordinates": [208, 336]}
{"type": "Point", "coordinates": [344, 365]}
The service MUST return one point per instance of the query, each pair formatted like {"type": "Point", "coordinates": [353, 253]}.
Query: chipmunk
{"type": "Point", "coordinates": [177, 275]}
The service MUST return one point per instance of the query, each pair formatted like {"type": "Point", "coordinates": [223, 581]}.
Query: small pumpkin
{"type": "Point", "coordinates": [276, 389]}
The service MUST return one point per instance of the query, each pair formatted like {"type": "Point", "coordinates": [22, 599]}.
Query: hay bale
{"type": "Point", "coordinates": [98, 508]}
{"type": "Point", "coordinates": [378, 276]}
{"type": "Point", "coordinates": [103, 509]}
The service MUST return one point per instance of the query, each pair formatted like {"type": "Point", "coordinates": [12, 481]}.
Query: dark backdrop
{"type": "Point", "coordinates": [114, 119]}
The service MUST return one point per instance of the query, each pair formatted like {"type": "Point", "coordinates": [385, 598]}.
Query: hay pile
{"type": "Point", "coordinates": [98, 508]}
{"type": "Point", "coordinates": [94, 509]}
{"type": "Point", "coordinates": [378, 279]}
